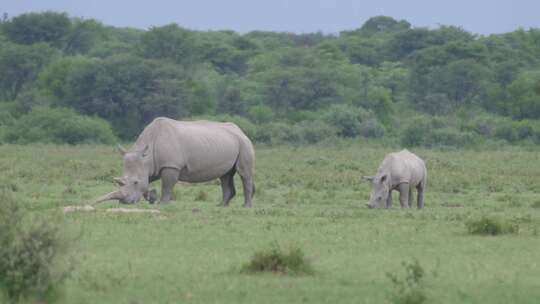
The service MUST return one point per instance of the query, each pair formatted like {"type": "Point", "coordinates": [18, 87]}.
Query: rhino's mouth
{"type": "Point", "coordinates": [127, 201]}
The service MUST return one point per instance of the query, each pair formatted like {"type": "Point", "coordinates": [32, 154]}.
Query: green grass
{"type": "Point", "coordinates": [310, 198]}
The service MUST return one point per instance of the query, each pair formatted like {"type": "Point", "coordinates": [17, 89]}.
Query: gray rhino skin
{"type": "Point", "coordinates": [401, 171]}
{"type": "Point", "coordinates": [188, 151]}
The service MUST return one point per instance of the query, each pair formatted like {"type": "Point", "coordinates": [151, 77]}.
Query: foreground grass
{"type": "Point", "coordinates": [309, 198]}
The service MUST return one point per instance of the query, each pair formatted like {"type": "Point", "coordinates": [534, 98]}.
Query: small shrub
{"type": "Point", "coordinates": [491, 226]}
{"type": "Point", "coordinates": [507, 131]}
{"type": "Point", "coordinates": [535, 204]}
{"type": "Point", "coordinates": [372, 128]}
{"type": "Point", "coordinates": [281, 133]}
{"type": "Point", "coordinates": [29, 252]}
{"type": "Point", "coordinates": [409, 289]}
{"type": "Point", "coordinates": [346, 119]}
{"type": "Point", "coordinates": [276, 260]}
{"type": "Point", "coordinates": [261, 114]}
{"type": "Point", "coordinates": [315, 131]}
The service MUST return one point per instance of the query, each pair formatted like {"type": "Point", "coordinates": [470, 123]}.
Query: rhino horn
{"type": "Point", "coordinates": [115, 195]}
{"type": "Point", "coordinates": [120, 181]}
{"type": "Point", "coordinates": [122, 150]}
{"type": "Point", "coordinates": [369, 178]}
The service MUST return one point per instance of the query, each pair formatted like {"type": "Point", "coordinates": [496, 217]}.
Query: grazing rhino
{"type": "Point", "coordinates": [400, 171]}
{"type": "Point", "coordinates": [188, 151]}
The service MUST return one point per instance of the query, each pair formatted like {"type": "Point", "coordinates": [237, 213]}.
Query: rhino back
{"type": "Point", "coordinates": [404, 167]}
{"type": "Point", "coordinates": [201, 150]}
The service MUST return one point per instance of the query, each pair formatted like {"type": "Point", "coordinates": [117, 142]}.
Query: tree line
{"type": "Point", "coordinates": [72, 80]}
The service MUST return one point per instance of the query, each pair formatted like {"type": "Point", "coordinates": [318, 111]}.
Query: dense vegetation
{"type": "Point", "coordinates": [411, 85]}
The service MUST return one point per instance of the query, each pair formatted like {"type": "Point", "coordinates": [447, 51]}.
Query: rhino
{"type": "Point", "coordinates": [187, 151]}
{"type": "Point", "coordinates": [401, 171]}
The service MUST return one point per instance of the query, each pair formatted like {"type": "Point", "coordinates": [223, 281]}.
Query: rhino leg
{"type": "Point", "coordinates": [249, 190]}
{"type": "Point", "coordinates": [245, 167]}
{"type": "Point", "coordinates": [169, 177]}
{"type": "Point", "coordinates": [404, 195]}
{"type": "Point", "coordinates": [411, 197]}
{"type": "Point", "coordinates": [389, 200]}
{"type": "Point", "coordinates": [420, 198]}
{"type": "Point", "coordinates": [227, 186]}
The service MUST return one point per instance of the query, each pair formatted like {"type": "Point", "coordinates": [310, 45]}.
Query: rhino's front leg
{"type": "Point", "coordinates": [389, 200]}
{"type": "Point", "coordinates": [169, 177]}
{"type": "Point", "coordinates": [404, 195]}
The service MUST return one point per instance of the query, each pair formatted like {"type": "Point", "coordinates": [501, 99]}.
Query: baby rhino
{"type": "Point", "coordinates": [400, 171]}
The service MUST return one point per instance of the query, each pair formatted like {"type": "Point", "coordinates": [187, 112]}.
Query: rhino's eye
{"type": "Point", "coordinates": [135, 182]}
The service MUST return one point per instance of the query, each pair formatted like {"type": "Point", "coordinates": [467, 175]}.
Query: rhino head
{"type": "Point", "coordinates": [380, 188]}
{"type": "Point", "coordinates": [134, 182]}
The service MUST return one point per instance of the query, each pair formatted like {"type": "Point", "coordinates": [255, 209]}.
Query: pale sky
{"type": "Point", "coordinates": [300, 16]}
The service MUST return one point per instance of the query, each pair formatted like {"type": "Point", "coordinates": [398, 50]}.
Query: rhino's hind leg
{"type": "Point", "coordinates": [404, 195]}
{"type": "Point", "coordinates": [249, 190]}
{"type": "Point", "coordinates": [420, 198]}
{"type": "Point", "coordinates": [169, 177]}
{"type": "Point", "coordinates": [227, 186]}
{"type": "Point", "coordinates": [249, 186]}
{"type": "Point", "coordinates": [411, 196]}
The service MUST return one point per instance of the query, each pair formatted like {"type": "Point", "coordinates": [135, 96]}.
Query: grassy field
{"type": "Point", "coordinates": [307, 197]}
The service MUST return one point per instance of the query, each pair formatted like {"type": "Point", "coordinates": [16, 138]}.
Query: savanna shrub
{"type": "Point", "coordinates": [409, 289]}
{"type": "Point", "coordinates": [372, 128]}
{"type": "Point", "coordinates": [277, 261]}
{"type": "Point", "coordinates": [59, 125]}
{"type": "Point", "coordinates": [416, 133]}
{"type": "Point", "coordinates": [315, 131]}
{"type": "Point", "coordinates": [29, 254]}
{"type": "Point", "coordinates": [487, 225]}
{"type": "Point", "coordinates": [346, 119]}
{"type": "Point", "coordinates": [280, 133]}
{"type": "Point", "coordinates": [450, 137]}
{"type": "Point", "coordinates": [507, 132]}
{"type": "Point", "coordinates": [261, 114]}
{"type": "Point", "coordinates": [434, 131]}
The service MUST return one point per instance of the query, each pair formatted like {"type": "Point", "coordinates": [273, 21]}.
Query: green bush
{"type": "Point", "coordinates": [372, 128]}
{"type": "Point", "coordinates": [507, 132]}
{"type": "Point", "coordinates": [409, 289]}
{"type": "Point", "coordinates": [487, 225]}
{"type": "Point", "coordinates": [314, 131]}
{"type": "Point", "coordinates": [59, 125]}
{"type": "Point", "coordinates": [29, 254]}
{"type": "Point", "coordinates": [261, 114]}
{"type": "Point", "coordinates": [416, 133]}
{"type": "Point", "coordinates": [346, 119]}
{"type": "Point", "coordinates": [279, 133]}
{"type": "Point", "coordinates": [450, 137]}
{"type": "Point", "coordinates": [276, 260]}
{"type": "Point", "coordinates": [434, 131]}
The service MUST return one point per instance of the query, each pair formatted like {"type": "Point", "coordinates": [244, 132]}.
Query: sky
{"type": "Point", "coordinates": [299, 16]}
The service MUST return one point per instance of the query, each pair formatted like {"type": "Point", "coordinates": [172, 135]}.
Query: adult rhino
{"type": "Point", "coordinates": [400, 171]}
{"type": "Point", "coordinates": [188, 151]}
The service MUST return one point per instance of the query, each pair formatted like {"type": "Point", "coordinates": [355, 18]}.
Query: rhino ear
{"type": "Point", "coordinates": [369, 178]}
{"type": "Point", "coordinates": [119, 181]}
{"type": "Point", "coordinates": [145, 151]}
